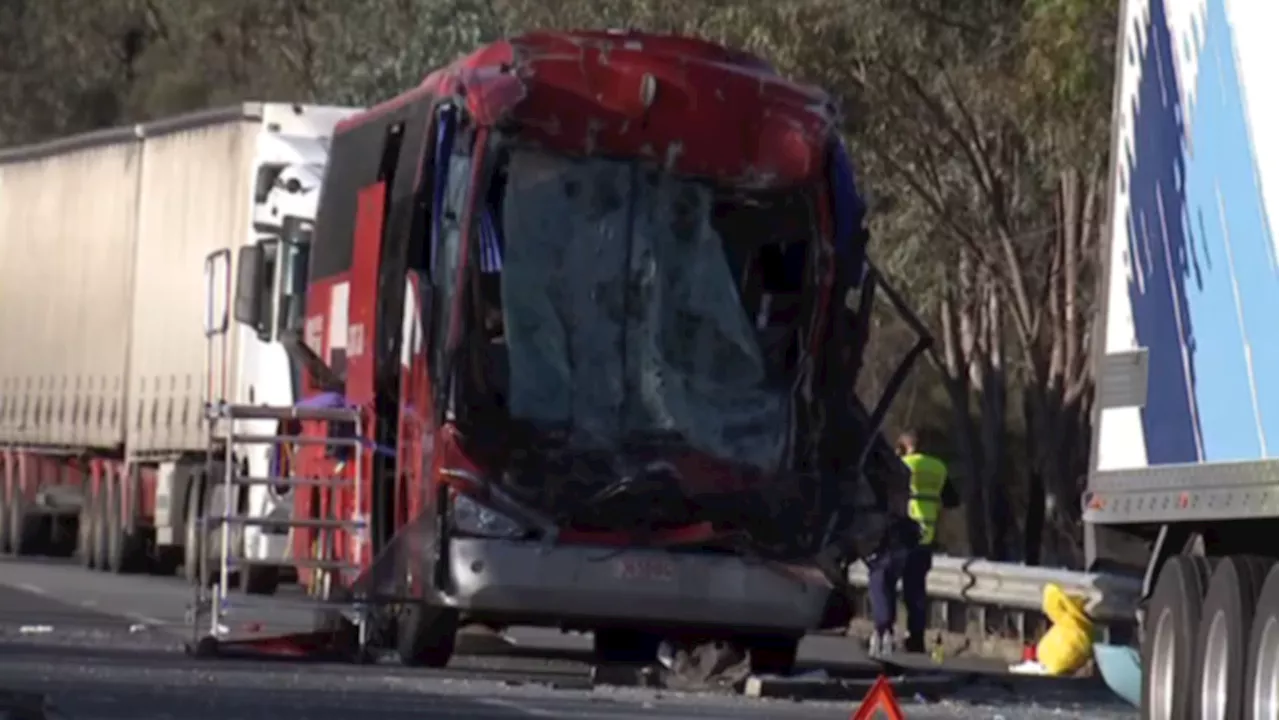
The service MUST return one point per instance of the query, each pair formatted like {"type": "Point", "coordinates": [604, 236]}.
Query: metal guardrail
{"type": "Point", "coordinates": [1108, 598]}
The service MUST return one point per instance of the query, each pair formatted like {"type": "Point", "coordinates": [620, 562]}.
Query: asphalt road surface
{"type": "Point", "coordinates": [104, 647]}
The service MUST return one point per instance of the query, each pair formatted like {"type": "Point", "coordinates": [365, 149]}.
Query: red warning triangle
{"type": "Point", "coordinates": [880, 698]}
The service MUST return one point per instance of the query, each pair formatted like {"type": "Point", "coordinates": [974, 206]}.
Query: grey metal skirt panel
{"type": "Point", "coordinates": [611, 585]}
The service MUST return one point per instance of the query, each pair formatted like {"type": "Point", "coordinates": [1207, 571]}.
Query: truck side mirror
{"type": "Point", "coordinates": [295, 256]}
{"type": "Point", "coordinates": [293, 293]}
{"type": "Point", "coordinates": [248, 306]}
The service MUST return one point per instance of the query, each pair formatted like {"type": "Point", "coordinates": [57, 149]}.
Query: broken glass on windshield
{"type": "Point", "coordinates": [623, 318]}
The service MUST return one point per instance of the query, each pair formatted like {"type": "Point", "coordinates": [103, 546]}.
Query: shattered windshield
{"type": "Point", "coordinates": [622, 313]}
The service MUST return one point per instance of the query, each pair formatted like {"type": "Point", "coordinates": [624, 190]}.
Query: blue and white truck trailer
{"type": "Point", "coordinates": [1183, 480]}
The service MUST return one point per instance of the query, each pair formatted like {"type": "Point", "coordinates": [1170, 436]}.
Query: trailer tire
{"type": "Point", "coordinates": [1169, 638]}
{"type": "Point", "coordinates": [86, 537]}
{"type": "Point", "coordinates": [194, 545]}
{"type": "Point", "coordinates": [1223, 636]}
{"type": "Point", "coordinates": [260, 579]}
{"type": "Point", "coordinates": [27, 532]}
{"type": "Point", "coordinates": [99, 530]}
{"type": "Point", "coordinates": [426, 635]}
{"type": "Point", "coordinates": [191, 535]}
{"type": "Point", "coordinates": [62, 535]}
{"type": "Point", "coordinates": [167, 561]}
{"type": "Point", "coordinates": [1260, 681]}
{"type": "Point", "coordinates": [124, 549]}
{"type": "Point", "coordinates": [4, 511]}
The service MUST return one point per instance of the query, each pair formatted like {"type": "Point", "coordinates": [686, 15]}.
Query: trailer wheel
{"type": "Point", "coordinates": [26, 529]}
{"type": "Point", "coordinates": [1222, 639]}
{"type": "Point", "coordinates": [4, 511]}
{"type": "Point", "coordinates": [191, 534]}
{"type": "Point", "coordinates": [1262, 678]}
{"type": "Point", "coordinates": [167, 560]}
{"type": "Point", "coordinates": [98, 544]}
{"type": "Point", "coordinates": [1169, 638]}
{"type": "Point", "coordinates": [63, 531]}
{"type": "Point", "coordinates": [260, 579]}
{"type": "Point", "coordinates": [86, 540]}
{"type": "Point", "coordinates": [426, 635]}
{"type": "Point", "coordinates": [124, 549]}
{"type": "Point", "coordinates": [197, 502]}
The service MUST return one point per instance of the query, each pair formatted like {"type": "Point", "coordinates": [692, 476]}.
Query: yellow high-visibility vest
{"type": "Point", "coordinates": [928, 476]}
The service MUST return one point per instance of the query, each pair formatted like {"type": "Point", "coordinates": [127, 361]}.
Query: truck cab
{"type": "Point", "coordinates": [600, 299]}
{"type": "Point", "coordinates": [268, 296]}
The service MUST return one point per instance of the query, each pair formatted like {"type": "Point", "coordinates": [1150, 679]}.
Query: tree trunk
{"type": "Point", "coordinates": [974, 369]}
{"type": "Point", "coordinates": [993, 403]}
{"type": "Point", "coordinates": [954, 371]}
{"type": "Point", "coordinates": [1033, 520]}
{"type": "Point", "coordinates": [1058, 458]}
{"type": "Point", "coordinates": [1056, 395]}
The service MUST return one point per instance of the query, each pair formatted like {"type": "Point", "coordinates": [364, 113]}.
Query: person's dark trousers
{"type": "Point", "coordinates": [915, 571]}
{"type": "Point", "coordinates": [884, 571]}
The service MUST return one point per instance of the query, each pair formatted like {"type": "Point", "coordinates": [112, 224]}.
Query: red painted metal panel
{"type": "Point", "coordinates": [417, 415]}
{"type": "Point", "coordinates": [361, 332]}
{"type": "Point", "coordinates": [310, 460]}
{"type": "Point", "coordinates": [691, 106]}
{"type": "Point", "coordinates": [361, 320]}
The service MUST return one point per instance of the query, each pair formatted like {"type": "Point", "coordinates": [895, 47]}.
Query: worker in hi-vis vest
{"type": "Point", "coordinates": [909, 556]}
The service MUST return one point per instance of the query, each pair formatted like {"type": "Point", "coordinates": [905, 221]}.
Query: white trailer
{"type": "Point", "coordinates": [103, 365]}
{"type": "Point", "coordinates": [1184, 484]}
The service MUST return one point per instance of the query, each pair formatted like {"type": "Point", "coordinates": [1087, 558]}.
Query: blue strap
{"type": "Point", "coordinates": [490, 242]}
{"type": "Point", "coordinates": [849, 212]}
{"type": "Point", "coordinates": [490, 236]}
{"type": "Point", "coordinates": [445, 126]}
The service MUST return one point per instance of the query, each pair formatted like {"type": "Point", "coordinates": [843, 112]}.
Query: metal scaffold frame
{"type": "Point", "coordinates": [225, 439]}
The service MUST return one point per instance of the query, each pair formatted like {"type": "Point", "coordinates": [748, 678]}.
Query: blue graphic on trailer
{"type": "Point", "coordinates": [1204, 287]}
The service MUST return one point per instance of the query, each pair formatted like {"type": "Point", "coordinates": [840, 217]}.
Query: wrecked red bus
{"type": "Point", "coordinates": [600, 300]}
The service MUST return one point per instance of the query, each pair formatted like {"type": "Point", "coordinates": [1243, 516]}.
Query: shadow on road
{"type": "Point", "coordinates": [111, 683]}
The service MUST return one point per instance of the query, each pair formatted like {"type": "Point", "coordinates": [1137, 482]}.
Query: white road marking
{"type": "Point", "coordinates": [523, 709]}
{"type": "Point", "coordinates": [33, 589]}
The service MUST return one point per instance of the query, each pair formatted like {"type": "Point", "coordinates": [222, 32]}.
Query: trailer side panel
{"type": "Point", "coordinates": [197, 190]}
{"type": "Point", "coordinates": [67, 220]}
{"type": "Point", "coordinates": [1188, 425]}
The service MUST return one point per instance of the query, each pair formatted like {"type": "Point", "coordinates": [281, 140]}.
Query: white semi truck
{"type": "Point", "coordinates": [104, 371]}
{"type": "Point", "coordinates": [1183, 486]}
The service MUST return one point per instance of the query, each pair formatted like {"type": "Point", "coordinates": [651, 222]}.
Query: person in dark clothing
{"type": "Point", "coordinates": [907, 553]}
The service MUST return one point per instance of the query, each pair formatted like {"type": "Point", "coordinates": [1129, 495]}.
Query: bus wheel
{"type": "Point", "coordinates": [426, 635]}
